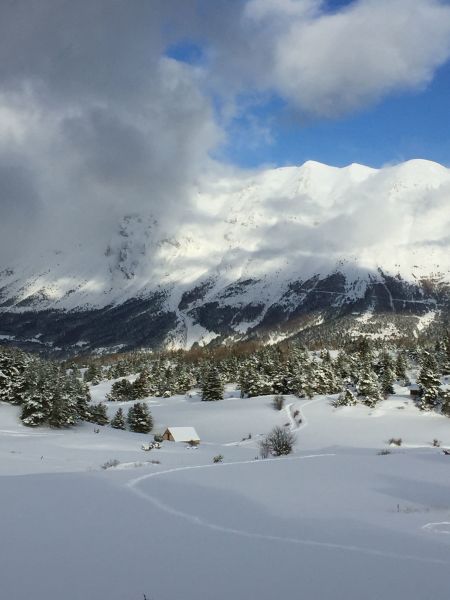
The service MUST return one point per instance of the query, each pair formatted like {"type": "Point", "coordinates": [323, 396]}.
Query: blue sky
{"type": "Point", "coordinates": [401, 125]}
{"type": "Point", "coordinates": [413, 124]}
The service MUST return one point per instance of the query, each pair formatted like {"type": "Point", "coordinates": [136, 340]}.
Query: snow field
{"type": "Point", "coordinates": [335, 520]}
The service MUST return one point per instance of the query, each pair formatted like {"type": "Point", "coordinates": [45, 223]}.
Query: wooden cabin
{"type": "Point", "coordinates": [181, 434]}
{"type": "Point", "coordinates": [415, 389]}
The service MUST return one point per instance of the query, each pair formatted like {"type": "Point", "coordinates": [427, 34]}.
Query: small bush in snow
{"type": "Point", "coordinates": [264, 448]}
{"type": "Point", "coordinates": [279, 441]}
{"type": "Point", "coordinates": [158, 438]}
{"type": "Point", "coordinates": [395, 442]}
{"type": "Point", "coordinates": [384, 452]}
{"type": "Point", "coordinates": [436, 443]}
{"type": "Point", "coordinates": [218, 458]}
{"type": "Point", "coordinates": [278, 402]}
{"type": "Point", "coordinates": [111, 463]}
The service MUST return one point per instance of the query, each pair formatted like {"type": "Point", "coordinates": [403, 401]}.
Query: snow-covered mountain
{"type": "Point", "coordinates": [268, 253]}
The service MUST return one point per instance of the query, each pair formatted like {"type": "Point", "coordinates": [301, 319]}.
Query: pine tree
{"type": "Point", "coordinates": [430, 383]}
{"type": "Point", "coordinates": [98, 414]}
{"type": "Point", "coordinates": [139, 418]}
{"type": "Point", "coordinates": [93, 374]}
{"type": "Point", "coordinates": [63, 412]}
{"type": "Point", "coordinates": [79, 392]}
{"type": "Point", "coordinates": [121, 391]}
{"type": "Point", "coordinates": [36, 404]}
{"type": "Point", "coordinates": [445, 360]}
{"type": "Point", "coordinates": [308, 383]}
{"type": "Point", "coordinates": [118, 421]}
{"type": "Point", "coordinates": [401, 366]}
{"type": "Point", "coordinates": [387, 374]}
{"type": "Point", "coordinates": [13, 364]}
{"type": "Point", "coordinates": [346, 398]}
{"type": "Point", "coordinates": [212, 387]}
{"type": "Point", "coordinates": [368, 386]}
{"type": "Point", "coordinates": [445, 399]}
{"type": "Point", "coordinates": [141, 388]}
{"type": "Point", "coordinates": [326, 382]}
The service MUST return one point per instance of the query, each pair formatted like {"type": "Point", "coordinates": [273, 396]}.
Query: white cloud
{"type": "Point", "coordinates": [96, 123]}
{"type": "Point", "coordinates": [340, 62]}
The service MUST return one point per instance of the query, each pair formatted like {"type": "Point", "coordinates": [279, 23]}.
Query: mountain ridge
{"type": "Point", "coordinates": [259, 250]}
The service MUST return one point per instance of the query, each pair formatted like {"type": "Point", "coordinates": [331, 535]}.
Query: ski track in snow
{"type": "Point", "coordinates": [12, 433]}
{"type": "Point", "coordinates": [133, 486]}
{"type": "Point", "coordinates": [293, 425]}
{"type": "Point", "coordinates": [442, 527]}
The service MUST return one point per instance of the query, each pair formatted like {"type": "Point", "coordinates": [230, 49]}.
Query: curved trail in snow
{"type": "Point", "coordinates": [293, 425]}
{"type": "Point", "coordinates": [441, 527]}
{"type": "Point", "coordinates": [133, 485]}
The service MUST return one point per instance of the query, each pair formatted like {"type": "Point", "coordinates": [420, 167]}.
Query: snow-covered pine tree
{"type": "Point", "coordinates": [139, 418]}
{"type": "Point", "coordinates": [13, 364]}
{"type": "Point", "coordinates": [119, 369]}
{"type": "Point", "coordinates": [445, 359]}
{"type": "Point", "coordinates": [309, 382]}
{"type": "Point", "coordinates": [118, 421]}
{"type": "Point", "coordinates": [183, 380]}
{"type": "Point", "coordinates": [346, 398]}
{"type": "Point", "coordinates": [365, 351]}
{"type": "Point", "coordinates": [400, 366]}
{"type": "Point", "coordinates": [63, 408]}
{"type": "Point", "coordinates": [141, 387]}
{"type": "Point", "coordinates": [326, 381]}
{"type": "Point", "coordinates": [121, 391]}
{"type": "Point", "coordinates": [212, 386]}
{"type": "Point", "coordinates": [79, 392]}
{"type": "Point", "coordinates": [98, 414]}
{"type": "Point", "coordinates": [36, 403]}
{"type": "Point", "coordinates": [387, 374]}
{"type": "Point", "coordinates": [93, 374]}
{"type": "Point", "coordinates": [368, 387]}
{"type": "Point", "coordinates": [445, 403]}
{"type": "Point", "coordinates": [430, 383]}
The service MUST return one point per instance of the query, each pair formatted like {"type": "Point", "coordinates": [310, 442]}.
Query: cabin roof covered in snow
{"type": "Point", "coordinates": [183, 434]}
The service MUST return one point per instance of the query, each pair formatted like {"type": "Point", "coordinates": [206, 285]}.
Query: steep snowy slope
{"type": "Point", "coordinates": [256, 252]}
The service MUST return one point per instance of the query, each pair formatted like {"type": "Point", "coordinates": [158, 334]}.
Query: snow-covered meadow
{"type": "Point", "coordinates": [334, 520]}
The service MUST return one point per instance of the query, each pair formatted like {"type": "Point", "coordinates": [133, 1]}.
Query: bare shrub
{"type": "Point", "coordinates": [279, 442]}
{"type": "Point", "coordinates": [218, 458]}
{"type": "Point", "coordinates": [436, 443]}
{"type": "Point", "coordinates": [111, 463]}
{"type": "Point", "coordinates": [264, 448]}
{"type": "Point", "coordinates": [395, 441]}
{"type": "Point", "coordinates": [278, 402]}
{"type": "Point", "coordinates": [384, 452]}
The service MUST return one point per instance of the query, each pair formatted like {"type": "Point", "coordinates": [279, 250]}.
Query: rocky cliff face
{"type": "Point", "coordinates": [291, 251]}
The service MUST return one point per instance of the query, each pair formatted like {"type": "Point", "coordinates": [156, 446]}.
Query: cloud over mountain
{"type": "Point", "coordinates": [97, 122]}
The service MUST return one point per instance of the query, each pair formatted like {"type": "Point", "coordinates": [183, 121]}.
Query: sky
{"type": "Point", "coordinates": [109, 108]}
